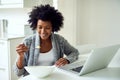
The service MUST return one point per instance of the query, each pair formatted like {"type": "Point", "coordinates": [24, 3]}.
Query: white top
{"type": "Point", "coordinates": [46, 59]}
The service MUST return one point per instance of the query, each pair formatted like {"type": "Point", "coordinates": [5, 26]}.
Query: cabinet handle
{"type": "Point", "coordinates": [2, 67]}
{"type": "Point", "coordinates": [2, 43]}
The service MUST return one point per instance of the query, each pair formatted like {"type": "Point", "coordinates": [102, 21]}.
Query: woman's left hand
{"type": "Point", "coordinates": [61, 62]}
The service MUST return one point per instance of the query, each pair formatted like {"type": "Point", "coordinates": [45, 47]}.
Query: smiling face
{"type": "Point", "coordinates": [44, 28]}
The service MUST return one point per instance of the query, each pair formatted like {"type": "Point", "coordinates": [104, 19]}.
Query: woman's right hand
{"type": "Point", "coordinates": [21, 48]}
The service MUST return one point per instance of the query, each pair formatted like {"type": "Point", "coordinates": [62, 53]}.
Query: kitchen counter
{"type": "Point", "coordinates": [58, 74]}
{"type": "Point", "coordinates": [11, 36]}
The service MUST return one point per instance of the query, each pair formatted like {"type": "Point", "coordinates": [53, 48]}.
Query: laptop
{"type": "Point", "coordinates": [99, 58]}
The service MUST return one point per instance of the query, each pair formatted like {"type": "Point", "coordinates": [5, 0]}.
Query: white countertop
{"type": "Point", "coordinates": [11, 36]}
{"type": "Point", "coordinates": [58, 74]}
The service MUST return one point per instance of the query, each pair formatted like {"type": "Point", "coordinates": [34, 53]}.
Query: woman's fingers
{"type": "Point", "coordinates": [21, 48]}
{"type": "Point", "coordinates": [20, 45]}
{"type": "Point", "coordinates": [61, 62]}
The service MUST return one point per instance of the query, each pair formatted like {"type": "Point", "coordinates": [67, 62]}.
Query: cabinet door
{"type": "Point", "coordinates": [32, 3]}
{"type": "Point", "coordinates": [4, 74]}
{"type": "Point", "coordinates": [11, 1]}
{"type": "Point", "coordinates": [23, 3]}
{"type": "Point", "coordinates": [3, 54]}
{"type": "Point", "coordinates": [3, 60]}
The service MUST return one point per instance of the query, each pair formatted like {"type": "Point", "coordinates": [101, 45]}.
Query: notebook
{"type": "Point", "coordinates": [99, 59]}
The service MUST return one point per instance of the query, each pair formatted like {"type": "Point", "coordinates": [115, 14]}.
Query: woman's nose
{"type": "Point", "coordinates": [43, 30]}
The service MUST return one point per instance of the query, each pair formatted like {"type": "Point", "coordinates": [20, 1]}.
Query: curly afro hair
{"type": "Point", "coordinates": [46, 13]}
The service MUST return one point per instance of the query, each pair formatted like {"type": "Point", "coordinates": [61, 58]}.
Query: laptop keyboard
{"type": "Point", "coordinates": [77, 69]}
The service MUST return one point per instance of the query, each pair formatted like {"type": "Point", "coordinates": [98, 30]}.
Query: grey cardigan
{"type": "Point", "coordinates": [31, 56]}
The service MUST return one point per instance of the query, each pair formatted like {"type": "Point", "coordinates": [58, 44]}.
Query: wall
{"type": "Point", "coordinates": [68, 9]}
{"type": "Point", "coordinates": [98, 22]}
{"type": "Point", "coordinates": [91, 21]}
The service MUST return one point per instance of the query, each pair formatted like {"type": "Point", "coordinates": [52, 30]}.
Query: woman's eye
{"type": "Point", "coordinates": [40, 27]}
{"type": "Point", "coordinates": [48, 28]}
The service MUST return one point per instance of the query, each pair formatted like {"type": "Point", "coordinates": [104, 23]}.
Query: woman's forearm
{"type": "Point", "coordinates": [20, 62]}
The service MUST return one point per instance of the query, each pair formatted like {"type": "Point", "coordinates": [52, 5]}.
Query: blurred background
{"type": "Point", "coordinates": [86, 21]}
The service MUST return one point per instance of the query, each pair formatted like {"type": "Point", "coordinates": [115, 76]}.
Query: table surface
{"type": "Point", "coordinates": [58, 74]}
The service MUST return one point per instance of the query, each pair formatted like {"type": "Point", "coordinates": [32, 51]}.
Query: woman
{"type": "Point", "coordinates": [45, 47]}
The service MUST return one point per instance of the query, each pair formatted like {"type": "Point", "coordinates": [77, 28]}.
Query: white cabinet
{"type": "Point", "coordinates": [23, 3]}
{"type": "Point", "coordinates": [3, 60]}
{"type": "Point", "coordinates": [11, 3]}
{"type": "Point", "coordinates": [7, 57]}
{"type": "Point", "coordinates": [31, 3]}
